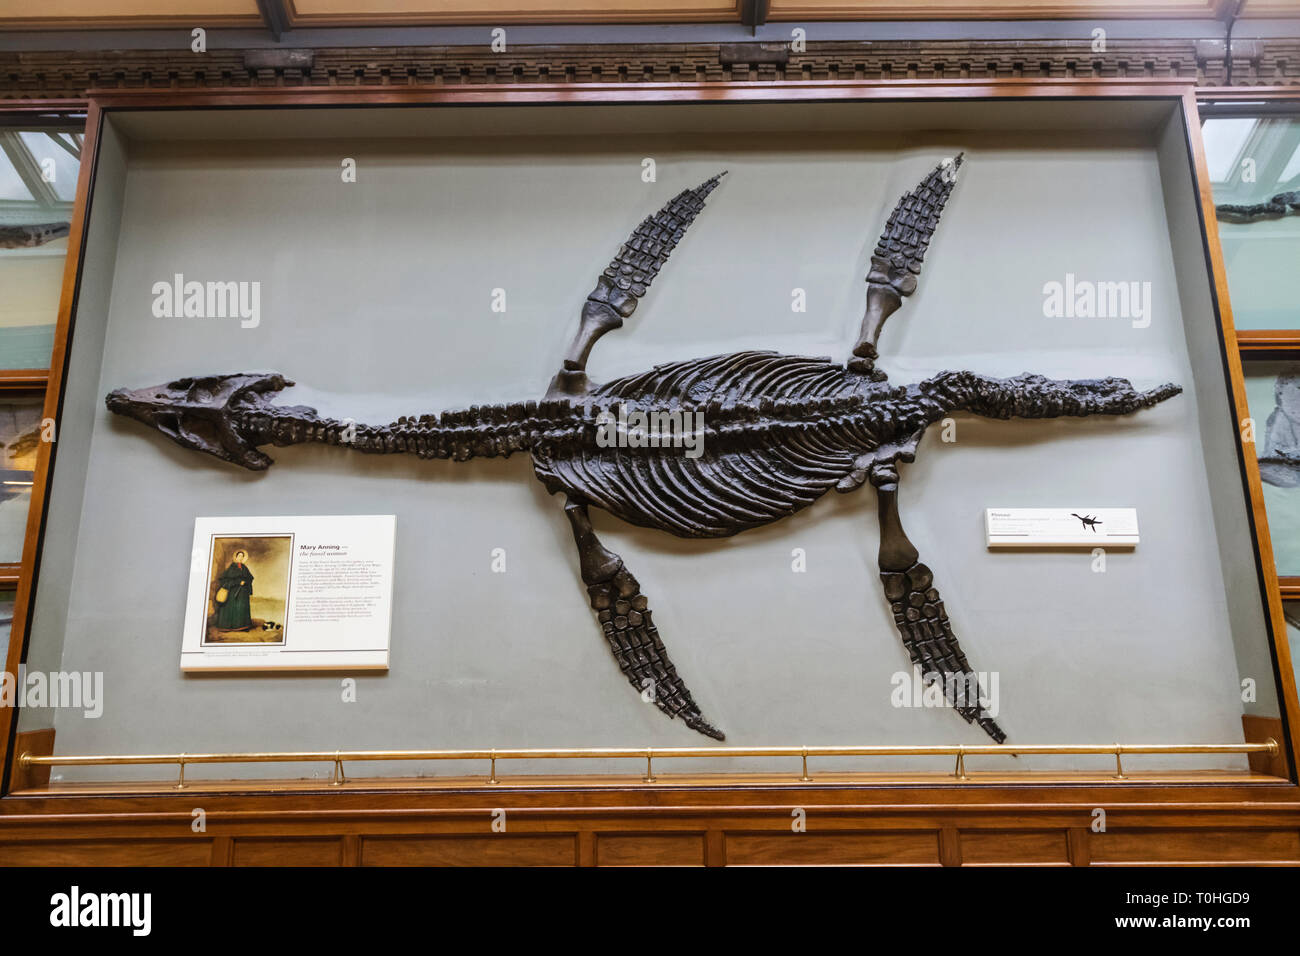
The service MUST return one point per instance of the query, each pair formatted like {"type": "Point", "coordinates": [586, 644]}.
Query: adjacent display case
{"type": "Point", "coordinates": [271, 273]}
{"type": "Point", "coordinates": [1253, 144]}
{"type": "Point", "coordinates": [40, 154]}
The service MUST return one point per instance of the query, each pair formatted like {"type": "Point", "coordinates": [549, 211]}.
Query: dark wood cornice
{"type": "Point", "coordinates": [1266, 62]}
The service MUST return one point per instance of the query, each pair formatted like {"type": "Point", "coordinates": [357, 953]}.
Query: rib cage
{"type": "Point", "coordinates": [734, 484]}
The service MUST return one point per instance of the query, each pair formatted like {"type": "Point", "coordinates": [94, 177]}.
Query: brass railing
{"type": "Point", "coordinates": [28, 760]}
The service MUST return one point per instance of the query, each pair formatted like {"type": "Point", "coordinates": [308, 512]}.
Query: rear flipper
{"type": "Point", "coordinates": [919, 614]}
{"type": "Point", "coordinates": [623, 614]}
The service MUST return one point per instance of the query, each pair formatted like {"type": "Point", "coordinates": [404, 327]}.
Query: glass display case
{"type": "Point", "coordinates": [287, 314]}
{"type": "Point", "coordinates": [1253, 148]}
{"type": "Point", "coordinates": [39, 159]}
{"type": "Point", "coordinates": [1253, 160]}
{"type": "Point", "coordinates": [40, 156]}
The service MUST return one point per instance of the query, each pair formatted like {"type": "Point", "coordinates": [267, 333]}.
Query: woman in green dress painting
{"type": "Point", "coordinates": [234, 614]}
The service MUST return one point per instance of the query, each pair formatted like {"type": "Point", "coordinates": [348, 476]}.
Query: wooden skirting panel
{"type": "Point", "coordinates": [1033, 846]}
{"type": "Point", "coordinates": [585, 828]}
{"type": "Point", "coordinates": [849, 819]}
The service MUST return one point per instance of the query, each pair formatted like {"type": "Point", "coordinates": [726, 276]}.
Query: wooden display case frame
{"type": "Point", "coordinates": [715, 819]}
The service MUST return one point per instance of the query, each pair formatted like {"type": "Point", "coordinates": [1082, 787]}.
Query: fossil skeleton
{"type": "Point", "coordinates": [1279, 458]}
{"type": "Point", "coordinates": [35, 234]}
{"type": "Point", "coordinates": [1275, 208]}
{"type": "Point", "coordinates": [779, 432]}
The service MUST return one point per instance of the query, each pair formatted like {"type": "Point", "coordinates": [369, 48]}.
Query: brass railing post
{"type": "Point", "coordinates": [339, 779]}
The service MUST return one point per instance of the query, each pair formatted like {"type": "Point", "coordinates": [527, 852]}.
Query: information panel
{"type": "Point", "coordinates": [282, 593]}
{"type": "Point", "coordinates": [1061, 527]}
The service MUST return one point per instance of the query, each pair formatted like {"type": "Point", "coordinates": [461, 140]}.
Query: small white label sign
{"type": "Point", "coordinates": [1061, 527]}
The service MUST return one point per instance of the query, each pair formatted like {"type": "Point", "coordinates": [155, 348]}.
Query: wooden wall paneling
{"type": "Point", "coordinates": [715, 847]}
{"type": "Point", "coordinates": [650, 849]}
{"type": "Point", "coordinates": [124, 851]}
{"type": "Point", "coordinates": [275, 851]}
{"type": "Point", "coordinates": [1200, 846]}
{"type": "Point", "coordinates": [950, 848]}
{"type": "Point", "coordinates": [776, 848]}
{"type": "Point", "coordinates": [1005, 847]}
{"type": "Point", "coordinates": [1077, 841]}
{"type": "Point", "coordinates": [492, 849]}
{"type": "Point", "coordinates": [223, 851]}
{"type": "Point", "coordinates": [653, 826]}
{"type": "Point", "coordinates": [979, 847]}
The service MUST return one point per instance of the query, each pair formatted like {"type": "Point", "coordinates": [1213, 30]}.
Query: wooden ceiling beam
{"type": "Point", "coordinates": [279, 16]}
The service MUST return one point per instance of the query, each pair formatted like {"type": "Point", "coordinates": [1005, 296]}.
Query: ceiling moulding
{"type": "Point", "coordinates": [126, 14]}
{"type": "Point", "coordinates": [381, 13]}
{"type": "Point", "coordinates": [53, 73]}
{"type": "Point", "coordinates": [998, 10]}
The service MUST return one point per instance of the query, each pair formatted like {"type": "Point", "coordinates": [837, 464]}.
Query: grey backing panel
{"type": "Point", "coordinates": [376, 299]}
{"type": "Point", "coordinates": [81, 400]}
{"type": "Point", "coordinates": [1246, 611]}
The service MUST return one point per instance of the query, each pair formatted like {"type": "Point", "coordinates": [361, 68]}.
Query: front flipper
{"type": "Point", "coordinates": [626, 279]}
{"type": "Point", "coordinates": [919, 613]}
{"type": "Point", "coordinates": [623, 614]}
{"type": "Point", "coordinates": [896, 262]}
